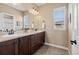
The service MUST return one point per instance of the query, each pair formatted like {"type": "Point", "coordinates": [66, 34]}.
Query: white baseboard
{"type": "Point", "coordinates": [57, 46]}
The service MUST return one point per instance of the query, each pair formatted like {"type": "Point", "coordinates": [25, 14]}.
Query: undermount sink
{"type": "Point", "coordinates": [9, 35]}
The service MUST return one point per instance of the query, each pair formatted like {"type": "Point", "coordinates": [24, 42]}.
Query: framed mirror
{"type": "Point", "coordinates": [6, 21]}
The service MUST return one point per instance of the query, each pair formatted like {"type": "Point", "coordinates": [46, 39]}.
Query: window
{"type": "Point", "coordinates": [59, 18]}
{"type": "Point", "coordinates": [26, 21]}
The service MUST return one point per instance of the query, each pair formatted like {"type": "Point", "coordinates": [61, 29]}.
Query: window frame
{"type": "Point", "coordinates": [64, 26]}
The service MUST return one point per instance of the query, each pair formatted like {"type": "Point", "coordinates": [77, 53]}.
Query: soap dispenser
{"type": "Point", "coordinates": [32, 25]}
{"type": "Point", "coordinates": [43, 24]}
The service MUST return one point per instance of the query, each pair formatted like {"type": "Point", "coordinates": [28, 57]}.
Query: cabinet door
{"type": "Point", "coordinates": [34, 40]}
{"type": "Point", "coordinates": [24, 45]}
{"type": "Point", "coordinates": [37, 40]}
{"type": "Point", "coordinates": [9, 47]}
{"type": "Point", "coordinates": [42, 36]}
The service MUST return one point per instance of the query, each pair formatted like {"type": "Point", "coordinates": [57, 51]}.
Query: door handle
{"type": "Point", "coordinates": [73, 42]}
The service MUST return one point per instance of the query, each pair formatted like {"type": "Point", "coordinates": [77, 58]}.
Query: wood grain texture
{"type": "Point", "coordinates": [9, 47]}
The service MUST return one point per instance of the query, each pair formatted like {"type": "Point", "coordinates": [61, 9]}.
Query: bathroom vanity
{"type": "Point", "coordinates": [21, 43]}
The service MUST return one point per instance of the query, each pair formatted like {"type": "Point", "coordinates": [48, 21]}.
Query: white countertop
{"type": "Point", "coordinates": [17, 35]}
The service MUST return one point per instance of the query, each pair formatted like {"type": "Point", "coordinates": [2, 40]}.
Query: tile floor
{"type": "Point", "coordinates": [48, 50]}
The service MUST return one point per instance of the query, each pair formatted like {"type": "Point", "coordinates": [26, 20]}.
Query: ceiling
{"type": "Point", "coordinates": [23, 6]}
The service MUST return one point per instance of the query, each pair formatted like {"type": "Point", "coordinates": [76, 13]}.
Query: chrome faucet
{"type": "Point", "coordinates": [11, 32]}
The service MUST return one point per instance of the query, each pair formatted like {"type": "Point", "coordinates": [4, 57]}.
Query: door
{"type": "Point", "coordinates": [73, 28]}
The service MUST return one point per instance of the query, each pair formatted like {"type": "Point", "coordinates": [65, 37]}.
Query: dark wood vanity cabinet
{"type": "Point", "coordinates": [9, 47]}
{"type": "Point", "coordinates": [37, 40]}
{"type": "Point", "coordinates": [25, 45]}
{"type": "Point", "coordinates": [30, 44]}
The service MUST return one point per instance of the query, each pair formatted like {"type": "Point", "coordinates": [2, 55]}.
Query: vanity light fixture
{"type": "Point", "coordinates": [34, 11]}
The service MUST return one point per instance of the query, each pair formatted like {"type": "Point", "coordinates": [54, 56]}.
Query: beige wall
{"type": "Point", "coordinates": [58, 37]}
{"type": "Point", "coordinates": [10, 10]}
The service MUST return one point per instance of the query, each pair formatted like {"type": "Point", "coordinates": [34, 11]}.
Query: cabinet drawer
{"type": "Point", "coordinates": [35, 48]}
{"type": "Point", "coordinates": [35, 43]}
{"type": "Point", "coordinates": [9, 42]}
{"type": "Point", "coordinates": [38, 38]}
